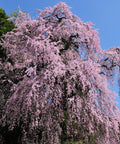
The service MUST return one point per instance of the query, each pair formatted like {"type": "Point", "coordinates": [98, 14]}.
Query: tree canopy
{"type": "Point", "coordinates": [57, 81]}
{"type": "Point", "coordinates": [5, 26]}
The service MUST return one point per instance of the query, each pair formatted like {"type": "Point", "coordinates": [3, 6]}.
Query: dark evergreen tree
{"type": "Point", "coordinates": [5, 26]}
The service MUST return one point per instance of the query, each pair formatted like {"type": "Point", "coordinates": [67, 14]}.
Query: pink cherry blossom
{"type": "Point", "coordinates": [64, 81]}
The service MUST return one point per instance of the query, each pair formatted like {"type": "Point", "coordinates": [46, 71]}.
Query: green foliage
{"type": "Point", "coordinates": [64, 134]}
{"type": "Point", "coordinates": [73, 142]}
{"type": "Point", "coordinates": [26, 142]}
{"type": "Point", "coordinates": [14, 13]}
{"type": "Point", "coordinates": [92, 139]}
{"type": "Point", "coordinates": [5, 25]}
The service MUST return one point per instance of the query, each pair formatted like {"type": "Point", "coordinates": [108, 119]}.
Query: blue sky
{"type": "Point", "coordinates": [105, 14]}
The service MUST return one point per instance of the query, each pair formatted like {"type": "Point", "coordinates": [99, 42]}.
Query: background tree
{"type": "Point", "coordinates": [5, 26]}
{"type": "Point", "coordinates": [59, 81]}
